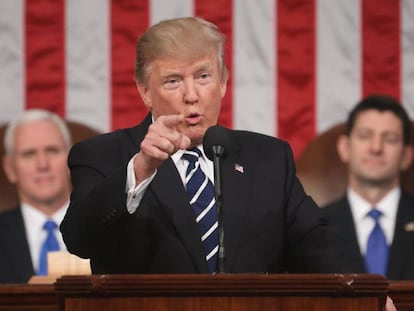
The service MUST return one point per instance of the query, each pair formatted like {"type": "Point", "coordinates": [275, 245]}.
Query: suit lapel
{"type": "Point", "coordinates": [16, 246]}
{"type": "Point", "coordinates": [175, 200]}
{"type": "Point", "coordinates": [402, 242]}
{"type": "Point", "coordinates": [345, 223]}
{"type": "Point", "coordinates": [236, 178]}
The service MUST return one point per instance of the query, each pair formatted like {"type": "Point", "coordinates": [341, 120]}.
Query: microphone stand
{"type": "Point", "coordinates": [218, 152]}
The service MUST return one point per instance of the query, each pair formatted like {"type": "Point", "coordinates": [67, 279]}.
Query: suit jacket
{"type": "Point", "coordinates": [401, 256]}
{"type": "Point", "coordinates": [270, 224]}
{"type": "Point", "coordinates": [15, 260]}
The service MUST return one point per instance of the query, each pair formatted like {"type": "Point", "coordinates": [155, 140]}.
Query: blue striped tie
{"type": "Point", "coordinates": [50, 244]}
{"type": "Point", "coordinates": [200, 191]}
{"type": "Point", "coordinates": [377, 249]}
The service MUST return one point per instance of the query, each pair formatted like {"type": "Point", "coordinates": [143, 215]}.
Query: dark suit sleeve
{"type": "Point", "coordinates": [97, 215]}
{"type": "Point", "coordinates": [311, 244]}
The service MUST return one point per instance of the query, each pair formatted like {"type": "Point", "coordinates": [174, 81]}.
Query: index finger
{"type": "Point", "coordinates": [171, 120]}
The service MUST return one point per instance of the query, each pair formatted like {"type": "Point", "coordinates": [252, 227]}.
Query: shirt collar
{"type": "Point", "coordinates": [178, 155]}
{"type": "Point", "coordinates": [388, 205]}
{"type": "Point", "coordinates": [33, 216]}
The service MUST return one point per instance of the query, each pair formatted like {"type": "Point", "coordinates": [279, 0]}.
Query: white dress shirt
{"type": "Point", "coordinates": [364, 223]}
{"type": "Point", "coordinates": [33, 221]}
{"type": "Point", "coordinates": [136, 192]}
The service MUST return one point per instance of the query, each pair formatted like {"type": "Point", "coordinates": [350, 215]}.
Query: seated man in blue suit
{"type": "Point", "coordinates": [376, 147]}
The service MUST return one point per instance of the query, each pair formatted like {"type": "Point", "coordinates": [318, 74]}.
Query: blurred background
{"type": "Point", "coordinates": [297, 66]}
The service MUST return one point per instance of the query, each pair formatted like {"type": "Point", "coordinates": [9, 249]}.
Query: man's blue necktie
{"type": "Point", "coordinates": [50, 244]}
{"type": "Point", "coordinates": [376, 257]}
{"type": "Point", "coordinates": [200, 191]}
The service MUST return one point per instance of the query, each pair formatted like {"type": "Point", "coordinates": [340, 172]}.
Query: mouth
{"type": "Point", "coordinates": [193, 118]}
{"type": "Point", "coordinates": [374, 162]}
{"type": "Point", "coordinates": [41, 180]}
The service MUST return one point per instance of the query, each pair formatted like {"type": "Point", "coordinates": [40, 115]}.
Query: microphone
{"type": "Point", "coordinates": [215, 146]}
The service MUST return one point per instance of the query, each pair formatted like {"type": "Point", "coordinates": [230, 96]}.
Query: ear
{"type": "Point", "coordinates": [342, 147]}
{"type": "Point", "coordinates": [223, 88]}
{"type": "Point", "coordinates": [9, 169]}
{"type": "Point", "coordinates": [145, 94]}
{"type": "Point", "coordinates": [407, 157]}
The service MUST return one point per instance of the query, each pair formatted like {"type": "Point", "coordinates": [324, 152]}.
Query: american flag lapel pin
{"type": "Point", "coordinates": [238, 168]}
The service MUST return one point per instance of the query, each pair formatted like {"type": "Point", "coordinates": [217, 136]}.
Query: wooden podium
{"type": "Point", "coordinates": [28, 297]}
{"type": "Point", "coordinates": [402, 293]}
{"type": "Point", "coordinates": [287, 292]}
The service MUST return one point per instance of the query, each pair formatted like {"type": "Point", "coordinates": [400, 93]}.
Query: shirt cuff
{"type": "Point", "coordinates": [135, 193]}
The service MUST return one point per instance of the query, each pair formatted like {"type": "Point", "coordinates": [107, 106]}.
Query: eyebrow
{"type": "Point", "coordinates": [203, 66]}
{"type": "Point", "coordinates": [198, 67]}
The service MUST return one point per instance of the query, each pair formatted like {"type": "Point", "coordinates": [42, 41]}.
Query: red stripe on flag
{"type": "Point", "coordinates": [296, 72]}
{"type": "Point", "coordinates": [129, 19]}
{"type": "Point", "coordinates": [45, 55]}
{"type": "Point", "coordinates": [220, 12]}
{"type": "Point", "coordinates": [381, 47]}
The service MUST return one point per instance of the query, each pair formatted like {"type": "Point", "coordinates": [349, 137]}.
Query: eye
{"type": "Point", "coordinates": [392, 138]}
{"type": "Point", "coordinates": [171, 82]}
{"type": "Point", "coordinates": [204, 77]}
{"type": "Point", "coordinates": [53, 150]}
{"type": "Point", "coordinates": [364, 134]}
{"type": "Point", "coordinates": [28, 154]}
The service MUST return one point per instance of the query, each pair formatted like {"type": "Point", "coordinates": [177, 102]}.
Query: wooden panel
{"type": "Point", "coordinates": [402, 293]}
{"type": "Point", "coordinates": [28, 297]}
{"type": "Point", "coordinates": [222, 292]}
{"type": "Point", "coordinates": [223, 304]}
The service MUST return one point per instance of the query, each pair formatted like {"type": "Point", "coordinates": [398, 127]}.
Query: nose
{"type": "Point", "coordinates": [42, 160]}
{"type": "Point", "coordinates": [376, 144]}
{"type": "Point", "coordinates": [190, 91]}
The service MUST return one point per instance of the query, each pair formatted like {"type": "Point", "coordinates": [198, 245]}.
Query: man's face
{"type": "Point", "coordinates": [37, 164]}
{"type": "Point", "coordinates": [375, 150]}
{"type": "Point", "coordinates": [193, 88]}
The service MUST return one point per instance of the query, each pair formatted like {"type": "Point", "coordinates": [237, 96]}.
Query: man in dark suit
{"type": "Point", "coordinates": [36, 149]}
{"type": "Point", "coordinates": [376, 147]}
{"type": "Point", "coordinates": [129, 210]}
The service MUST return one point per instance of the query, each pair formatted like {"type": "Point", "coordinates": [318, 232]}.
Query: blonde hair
{"type": "Point", "coordinates": [34, 115]}
{"type": "Point", "coordinates": [188, 37]}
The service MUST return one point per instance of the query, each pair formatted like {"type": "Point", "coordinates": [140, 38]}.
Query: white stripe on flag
{"type": "Point", "coordinates": [407, 59]}
{"type": "Point", "coordinates": [12, 81]}
{"type": "Point", "coordinates": [254, 66]}
{"type": "Point", "coordinates": [161, 9]}
{"type": "Point", "coordinates": [88, 93]}
{"type": "Point", "coordinates": [338, 67]}
{"type": "Point", "coordinates": [88, 60]}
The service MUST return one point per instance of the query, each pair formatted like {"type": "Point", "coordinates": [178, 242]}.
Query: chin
{"type": "Point", "coordinates": [195, 133]}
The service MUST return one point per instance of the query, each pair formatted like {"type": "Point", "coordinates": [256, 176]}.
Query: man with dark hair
{"type": "Point", "coordinates": [375, 209]}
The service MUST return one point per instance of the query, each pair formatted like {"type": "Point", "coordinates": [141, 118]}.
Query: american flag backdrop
{"type": "Point", "coordinates": [297, 66]}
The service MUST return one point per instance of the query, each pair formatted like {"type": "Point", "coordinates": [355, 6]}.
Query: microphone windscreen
{"type": "Point", "coordinates": [216, 136]}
